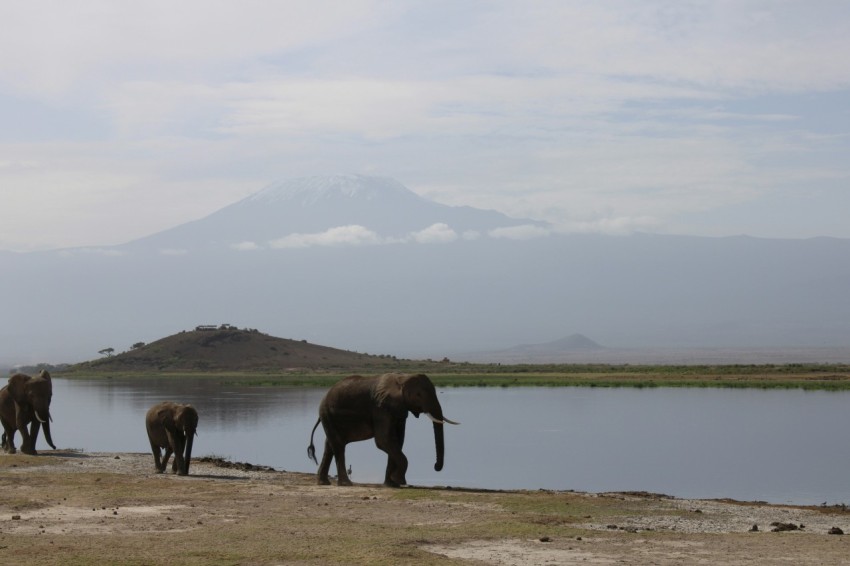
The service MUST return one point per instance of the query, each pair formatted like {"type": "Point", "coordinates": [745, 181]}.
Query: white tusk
{"type": "Point", "coordinates": [41, 420]}
{"type": "Point", "coordinates": [438, 421]}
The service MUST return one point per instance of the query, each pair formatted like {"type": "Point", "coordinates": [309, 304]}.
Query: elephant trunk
{"type": "Point", "coordinates": [187, 459]}
{"type": "Point", "coordinates": [47, 437]}
{"type": "Point", "coordinates": [42, 415]}
{"type": "Point", "coordinates": [439, 420]}
{"type": "Point", "coordinates": [438, 441]}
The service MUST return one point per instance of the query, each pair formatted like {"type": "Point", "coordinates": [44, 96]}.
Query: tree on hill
{"type": "Point", "coordinates": [106, 352]}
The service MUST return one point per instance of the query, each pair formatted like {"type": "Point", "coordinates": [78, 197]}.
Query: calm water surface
{"type": "Point", "coordinates": [778, 446]}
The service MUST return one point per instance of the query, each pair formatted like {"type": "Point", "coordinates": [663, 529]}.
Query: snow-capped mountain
{"type": "Point", "coordinates": [355, 206]}
{"type": "Point", "coordinates": [308, 191]}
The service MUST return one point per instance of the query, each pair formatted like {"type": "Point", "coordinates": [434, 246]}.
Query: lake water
{"type": "Point", "coordinates": [783, 446]}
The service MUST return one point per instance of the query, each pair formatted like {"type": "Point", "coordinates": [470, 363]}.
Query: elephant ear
{"type": "Point", "coordinates": [389, 392]}
{"type": "Point", "coordinates": [165, 417]}
{"type": "Point", "coordinates": [18, 387]}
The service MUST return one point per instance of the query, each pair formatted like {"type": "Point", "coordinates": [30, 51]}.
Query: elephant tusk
{"type": "Point", "coordinates": [438, 421]}
{"type": "Point", "coordinates": [41, 420]}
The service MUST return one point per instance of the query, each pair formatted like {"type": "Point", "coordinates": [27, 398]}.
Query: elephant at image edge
{"type": "Point", "coordinates": [7, 419]}
{"type": "Point", "coordinates": [172, 426]}
{"type": "Point", "coordinates": [25, 400]}
{"type": "Point", "coordinates": [359, 408]}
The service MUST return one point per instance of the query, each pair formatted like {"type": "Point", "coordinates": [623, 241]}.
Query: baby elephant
{"type": "Point", "coordinates": [172, 426]}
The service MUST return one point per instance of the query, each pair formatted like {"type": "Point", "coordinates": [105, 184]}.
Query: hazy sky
{"type": "Point", "coordinates": [120, 119]}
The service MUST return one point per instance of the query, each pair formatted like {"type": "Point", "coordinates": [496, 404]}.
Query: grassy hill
{"type": "Point", "coordinates": [232, 349]}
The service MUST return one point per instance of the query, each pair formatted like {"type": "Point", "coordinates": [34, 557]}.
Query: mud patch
{"type": "Point", "coordinates": [225, 463]}
{"type": "Point", "coordinates": [63, 519]}
{"type": "Point", "coordinates": [719, 517]}
{"type": "Point", "coordinates": [519, 553]}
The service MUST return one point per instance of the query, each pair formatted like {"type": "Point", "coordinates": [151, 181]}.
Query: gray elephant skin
{"type": "Point", "coordinates": [24, 401]}
{"type": "Point", "coordinates": [358, 408]}
{"type": "Point", "coordinates": [172, 427]}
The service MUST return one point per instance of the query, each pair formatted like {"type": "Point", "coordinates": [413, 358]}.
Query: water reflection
{"type": "Point", "coordinates": [778, 446]}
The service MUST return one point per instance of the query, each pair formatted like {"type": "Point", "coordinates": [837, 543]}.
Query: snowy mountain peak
{"type": "Point", "coordinates": [333, 209]}
{"type": "Point", "coordinates": [310, 190]}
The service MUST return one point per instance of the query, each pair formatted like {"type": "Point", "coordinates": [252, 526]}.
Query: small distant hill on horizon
{"type": "Point", "coordinates": [563, 349]}
{"type": "Point", "coordinates": [227, 348]}
{"type": "Point", "coordinates": [571, 343]}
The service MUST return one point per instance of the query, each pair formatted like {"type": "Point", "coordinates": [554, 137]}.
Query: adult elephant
{"type": "Point", "coordinates": [7, 419]}
{"type": "Point", "coordinates": [359, 408]}
{"type": "Point", "coordinates": [31, 397]}
{"type": "Point", "coordinates": [172, 426]}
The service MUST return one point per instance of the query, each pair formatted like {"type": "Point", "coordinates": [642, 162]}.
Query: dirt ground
{"type": "Point", "coordinates": [65, 507]}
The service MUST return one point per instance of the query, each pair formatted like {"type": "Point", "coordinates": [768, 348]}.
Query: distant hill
{"type": "Point", "coordinates": [227, 348]}
{"type": "Point", "coordinates": [572, 343]}
{"type": "Point", "coordinates": [563, 349]}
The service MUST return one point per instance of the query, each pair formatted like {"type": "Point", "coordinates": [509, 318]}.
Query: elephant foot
{"type": "Point", "coordinates": [344, 481]}
{"type": "Point", "coordinates": [324, 481]}
{"type": "Point", "coordinates": [30, 451]}
{"type": "Point", "coordinates": [396, 481]}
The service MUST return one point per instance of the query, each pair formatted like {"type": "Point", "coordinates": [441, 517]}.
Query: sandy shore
{"type": "Point", "coordinates": [66, 507]}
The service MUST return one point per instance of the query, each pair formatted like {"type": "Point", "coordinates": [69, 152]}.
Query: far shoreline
{"type": "Point", "coordinates": [820, 377]}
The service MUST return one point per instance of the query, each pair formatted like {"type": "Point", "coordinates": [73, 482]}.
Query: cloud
{"type": "Point", "coordinates": [522, 232]}
{"type": "Point", "coordinates": [104, 41]}
{"type": "Point", "coordinates": [356, 235]}
{"type": "Point", "coordinates": [439, 233]}
{"type": "Point", "coordinates": [245, 246]}
{"type": "Point", "coordinates": [124, 124]}
{"type": "Point", "coordinates": [351, 235]}
{"type": "Point", "coordinates": [619, 226]}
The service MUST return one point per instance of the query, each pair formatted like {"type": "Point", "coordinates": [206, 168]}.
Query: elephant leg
{"type": "Point", "coordinates": [325, 465]}
{"type": "Point", "coordinates": [157, 453]}
{"type": "Point", "coordinates": [9, 438]}
{"type": "Point", "coordinates": [391, 442]}
{"type": "Point", "coordinates": [177, 465]}
{"type": "Point", "coordinates": [341, 475]}
{"type": "Point", "coordinates": [35, 427]}
{"type": "Point", "coordinates": [337, 443]}
{"type": "Point", "coordinates": [9, 441]}
{"type": "Point", "coordinates": [23, 418]}
{"type": "Point", "coordinates": [165, 458]}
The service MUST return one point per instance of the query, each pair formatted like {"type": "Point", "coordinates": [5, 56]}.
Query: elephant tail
{"type": "Point", "coordinates": [311, 450]}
